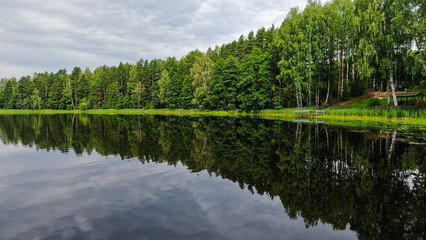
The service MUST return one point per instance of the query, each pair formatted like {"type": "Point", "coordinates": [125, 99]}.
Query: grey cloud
{"type": "Point", "coordinates": [98, 32]}
{"type": "Point", "coordinates": [91, 197]}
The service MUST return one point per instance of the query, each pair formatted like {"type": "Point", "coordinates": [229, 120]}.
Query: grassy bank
{"type": "Point", "coordinates": [183, 112]}
{"type": "Point", "coordinates": [379, 111]}
{"type": "Point", "coordinates": [377, 116]}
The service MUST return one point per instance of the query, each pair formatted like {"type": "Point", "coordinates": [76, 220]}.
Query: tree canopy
{"type": "Point", "coordinates": [323, 53]}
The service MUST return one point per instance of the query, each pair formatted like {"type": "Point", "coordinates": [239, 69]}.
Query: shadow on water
{"type": "Point", "coordinates": [372, 180]}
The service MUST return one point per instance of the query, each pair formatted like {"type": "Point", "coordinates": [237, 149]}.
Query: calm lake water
{"type": "Point", "coordinates": [156, 177]}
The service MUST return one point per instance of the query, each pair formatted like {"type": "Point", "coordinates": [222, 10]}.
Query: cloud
{"type": "Point", "coordinates": [94, 197]}
{"type": "Point", "coordinates": [48, 35]}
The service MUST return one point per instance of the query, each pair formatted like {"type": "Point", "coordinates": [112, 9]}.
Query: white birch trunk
{"type": "Point", "coordinates": [392, 85]}
{"type": "Point", "coordinates": [387, 93]}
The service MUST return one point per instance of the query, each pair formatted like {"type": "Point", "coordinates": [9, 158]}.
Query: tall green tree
{"type": "Point", "coordinates": [293, 63]}
{"type": "Point", "coordinates": [136, 86]}
{"type": "Point", "coordinates": [36, 101]}
{"type": "Point", "coordinates": [186, 94]}
{"type": "Point", "coordinates": [254, 87]}
{"type": "Point", "coordinates": [164, 85]}
{"type": "Point", "coordinates": [223, 86]}
{"type": "Point", "coordinates": [201, 73]}
{"type": "Point", "coordinates": [67, 95]}
{"type": "Point", "coordinates": [75, 78]}
{"type": "Point", "coordinates": [26, 87]}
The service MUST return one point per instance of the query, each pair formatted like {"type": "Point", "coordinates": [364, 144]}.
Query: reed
{"type": "Point", "coordinates": [378, 111]}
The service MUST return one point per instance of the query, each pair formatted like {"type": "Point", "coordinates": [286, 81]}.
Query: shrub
{"type": "Point", "coordinates": [149, 105]}
{"type": "Point", "coordinates": [421, 104]}
{"type": "Point", "coordinates": [83, 104]}
{"type": "Point", "coordinates": [373, 102]}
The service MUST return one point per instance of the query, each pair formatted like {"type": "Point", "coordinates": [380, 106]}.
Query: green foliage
{"type": "Point", "coordinates": [378, 111]}
{"type": "Point", "coordinates": [186, 94]}
{"type": "Point", "coordinates": [15, 100]}
{"type": "Point", "coordinates": [322, 54]}
{"type": "Point", "coordinates": [36, 101]}
{"type": "Point", "coordinates": [223, 87]}
{"type": "Point", "coordinates": [105, 106]}
{"type": "Point", "coordinates": [255, 82]}
{"type": "Point", "coordinates": [373, 102]}
{"type": "Point", "coordinates": [83, 104]}
{"type": "Point", "coordinates": [123, 102]}
{"type": "Point", "coordinates": [201, 73]}
{"type": "Point", "coordinates": [164, 85]}
{"type": "Point", "coordinates": [112, 94]}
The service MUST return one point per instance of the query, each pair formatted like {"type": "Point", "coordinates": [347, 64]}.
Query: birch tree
{"type": "Point", "coordinates": [201, 73]}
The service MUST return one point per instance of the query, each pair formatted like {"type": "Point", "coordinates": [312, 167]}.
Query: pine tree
{"type": "Point", "coordinates": [255, 82]}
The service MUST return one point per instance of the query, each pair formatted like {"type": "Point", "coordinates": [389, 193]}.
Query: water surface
{"type": "Point", "coordinates": [138, 177]}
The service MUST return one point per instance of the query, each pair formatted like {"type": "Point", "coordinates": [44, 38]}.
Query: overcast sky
{"type": "Point", "coordinates": [48, 35]}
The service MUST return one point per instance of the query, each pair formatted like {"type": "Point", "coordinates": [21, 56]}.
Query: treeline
{"type": "Point", "coordinates": [327, 52]}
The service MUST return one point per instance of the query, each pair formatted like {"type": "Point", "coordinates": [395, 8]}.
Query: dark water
{"type": "Point", "coordinates": [139, 177]}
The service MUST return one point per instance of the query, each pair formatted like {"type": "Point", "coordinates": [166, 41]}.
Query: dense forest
{"type": "Point", "coordinates": [327, 52]}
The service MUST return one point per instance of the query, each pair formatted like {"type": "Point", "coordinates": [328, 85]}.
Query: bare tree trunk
{"type": "Point", "coordinates": [310, 94]}
{"type": "Point", "coordinates": [419, 47]}
{"type": "Point", "coordinates": [353, 69]}
{"type": "Point", "coordinates": [310, 70]}
{"type": "Point", "coordinates": [317, 98]}
{"type": "Point", "coordinates": [328, 84]}
{"type": "Point", "coordinates": [329, 68]}
{"type": "Point", "coordinates": [297, 98]}
{"type": "Point", "coordinates": [374, 84]}
{"type": "Point", "coordinates": [341, 71]}
{"type": "Point", "coordinates": [392, 85]}
{"type": "Point", "coordinates": [347, 74]}
{"type": "Point", "coordinates": [72, 101]}
{"type": "Point", "coordinates": [390, 81]}
{"type": "Point", "coordinates": [387, 93]}
{"type": "Point", "coordinates": [75, 95]}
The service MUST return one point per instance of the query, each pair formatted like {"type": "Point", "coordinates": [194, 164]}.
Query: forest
{"type": "Point", "coordinates": [325, 53]}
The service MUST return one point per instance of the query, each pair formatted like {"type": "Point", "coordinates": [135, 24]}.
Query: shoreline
{"type": "Point", "coordinates": [287, 114]}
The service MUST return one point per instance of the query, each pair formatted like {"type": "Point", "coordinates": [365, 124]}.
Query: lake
{"type": "Point", "coordinates": [169, 177]}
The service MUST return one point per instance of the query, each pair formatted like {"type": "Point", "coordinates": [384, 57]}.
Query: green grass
{"type": "Point", "coordinates": [361, 103]}
{"type": "Point", "coordinates": [378, 111]}
{"type": "Point", "coordinates": [365, 115]}
{"type": "Point", "coordinates": [151, 112]}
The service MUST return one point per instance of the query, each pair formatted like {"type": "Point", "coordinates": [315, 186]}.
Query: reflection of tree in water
{"type": "Point", "coordinates": [201, 154]}
{"type": "Point", "coordinates": [164, 140]}
{"type": "Point", "coordinates": [320, 173]}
